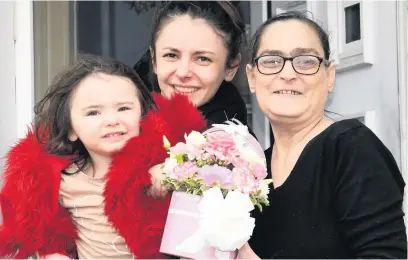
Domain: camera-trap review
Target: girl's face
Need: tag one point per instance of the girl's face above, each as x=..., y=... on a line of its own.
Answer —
x=191, y=59
x=105, y=113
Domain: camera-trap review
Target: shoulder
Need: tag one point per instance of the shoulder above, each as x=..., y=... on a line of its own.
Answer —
x=353, y=135
x=349, y=126
x=360, y=153
x=29, y=162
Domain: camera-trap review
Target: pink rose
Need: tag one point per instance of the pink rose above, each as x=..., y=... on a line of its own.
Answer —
x=244, y=180
x=220, y=144
x=237, y=161
x=258, y=170
x=221, y=140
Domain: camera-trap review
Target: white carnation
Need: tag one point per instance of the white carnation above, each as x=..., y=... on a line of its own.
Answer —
x=196, y=139
x=265, y=188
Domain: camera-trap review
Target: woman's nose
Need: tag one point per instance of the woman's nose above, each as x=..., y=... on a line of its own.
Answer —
x=287, y=72
x=183, y=68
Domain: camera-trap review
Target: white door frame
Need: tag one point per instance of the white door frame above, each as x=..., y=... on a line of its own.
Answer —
x=402, y=27
x=24, y=64
x=402, y=34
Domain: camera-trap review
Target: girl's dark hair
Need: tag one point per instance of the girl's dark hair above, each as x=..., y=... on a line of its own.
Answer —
x=222, y=15
x=52, y=122
x=256, y=38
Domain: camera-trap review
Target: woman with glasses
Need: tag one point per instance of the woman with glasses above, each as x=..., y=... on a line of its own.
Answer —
x=337, y=191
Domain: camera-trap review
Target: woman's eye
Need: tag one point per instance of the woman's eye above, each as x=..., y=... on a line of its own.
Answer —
x=170, y=55
x=124, y=108
x=204, y=60
x=92, y=113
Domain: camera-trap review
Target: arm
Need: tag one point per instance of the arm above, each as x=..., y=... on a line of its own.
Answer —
x=33, y=221
x=18, y=239
x=368, y=196
x=139, y=218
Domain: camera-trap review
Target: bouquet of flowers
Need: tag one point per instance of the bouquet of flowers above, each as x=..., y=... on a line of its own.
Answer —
x=218, y=177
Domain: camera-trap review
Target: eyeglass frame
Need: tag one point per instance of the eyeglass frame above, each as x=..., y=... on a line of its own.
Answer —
x=326, y=63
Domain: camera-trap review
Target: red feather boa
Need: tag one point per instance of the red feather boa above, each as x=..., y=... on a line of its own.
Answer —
x=34, y=221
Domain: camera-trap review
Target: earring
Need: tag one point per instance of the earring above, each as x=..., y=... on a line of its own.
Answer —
x=73, y=138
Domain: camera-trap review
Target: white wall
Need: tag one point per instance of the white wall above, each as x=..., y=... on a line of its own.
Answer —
x=16, y=73
x=375, y=87
x=24, y=64
x=8, y=132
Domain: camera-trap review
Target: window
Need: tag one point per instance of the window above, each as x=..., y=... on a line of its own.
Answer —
x=286, y=6
x=352, y=18
x=352, y=25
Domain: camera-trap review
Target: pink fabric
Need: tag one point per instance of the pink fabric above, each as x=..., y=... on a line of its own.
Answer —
x=182, y=222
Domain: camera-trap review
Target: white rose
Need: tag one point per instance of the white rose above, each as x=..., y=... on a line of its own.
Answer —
x=196, y=139
x=169, y=165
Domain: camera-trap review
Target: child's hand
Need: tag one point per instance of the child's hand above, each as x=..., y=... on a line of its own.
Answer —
x=55, y=256
x=157, y=190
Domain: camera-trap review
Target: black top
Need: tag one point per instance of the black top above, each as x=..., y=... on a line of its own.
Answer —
x=343, y=199
x=226, y=104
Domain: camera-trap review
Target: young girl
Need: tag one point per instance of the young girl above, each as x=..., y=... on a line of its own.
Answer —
x=76, y=186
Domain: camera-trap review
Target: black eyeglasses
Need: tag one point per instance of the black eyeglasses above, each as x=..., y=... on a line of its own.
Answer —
x=303, y=64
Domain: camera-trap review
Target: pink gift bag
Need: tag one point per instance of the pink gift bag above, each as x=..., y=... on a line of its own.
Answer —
x=182, y=222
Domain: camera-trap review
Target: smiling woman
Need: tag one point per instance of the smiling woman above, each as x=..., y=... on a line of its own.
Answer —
x=337, y=191
x=194, y=50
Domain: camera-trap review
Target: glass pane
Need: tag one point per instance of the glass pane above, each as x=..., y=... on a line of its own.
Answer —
x=286, y=6
x=352, y=17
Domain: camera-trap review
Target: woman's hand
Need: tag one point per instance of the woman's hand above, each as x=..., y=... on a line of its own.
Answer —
x=157, y=190
x=246, y=252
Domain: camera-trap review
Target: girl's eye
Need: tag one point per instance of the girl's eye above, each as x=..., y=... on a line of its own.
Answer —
x=93, y=113
x=124, y=108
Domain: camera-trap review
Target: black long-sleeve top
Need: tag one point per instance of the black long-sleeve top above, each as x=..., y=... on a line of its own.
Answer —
x=343, y=199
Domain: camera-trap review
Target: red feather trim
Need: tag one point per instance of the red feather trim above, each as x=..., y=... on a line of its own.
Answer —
x=33, y=220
